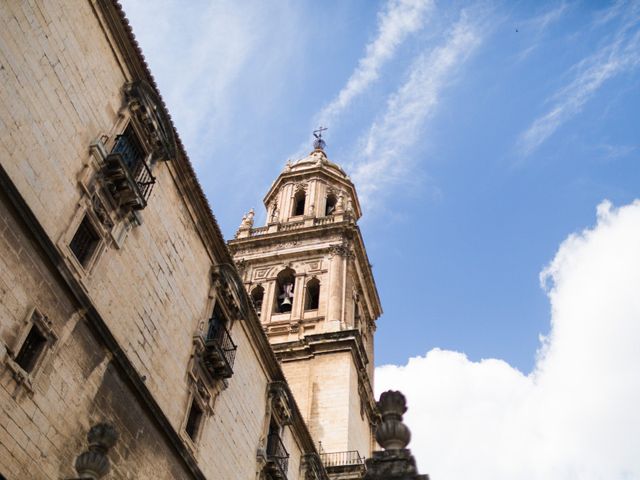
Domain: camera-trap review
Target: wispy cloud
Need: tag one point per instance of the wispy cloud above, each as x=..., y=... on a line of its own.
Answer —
x=537, y=26
x=212, y=59
x=620, y=55
x=544, y=20
x=381, y=160
x=398, y=20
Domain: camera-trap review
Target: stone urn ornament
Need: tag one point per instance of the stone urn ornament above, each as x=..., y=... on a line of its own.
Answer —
x=392, y=434
x=94, y=463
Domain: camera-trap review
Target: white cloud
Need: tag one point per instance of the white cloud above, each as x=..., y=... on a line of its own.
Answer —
x=399, y=19
x=576, y=415
x=381, y=162
x=620, y=55
x=203, y=58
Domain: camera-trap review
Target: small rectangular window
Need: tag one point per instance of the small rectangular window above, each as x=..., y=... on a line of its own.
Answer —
x=193, y=422
x=31, y=349
x=84, y=241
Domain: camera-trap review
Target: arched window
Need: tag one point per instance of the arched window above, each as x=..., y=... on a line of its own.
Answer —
x=257, y=295
x=312, y=298
x=284, y=291
x=331, y=204
x=298, y=203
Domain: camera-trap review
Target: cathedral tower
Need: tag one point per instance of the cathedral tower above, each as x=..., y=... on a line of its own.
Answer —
x=308, y=274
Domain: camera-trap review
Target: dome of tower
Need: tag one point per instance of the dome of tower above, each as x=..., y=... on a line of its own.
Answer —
x=315, y=159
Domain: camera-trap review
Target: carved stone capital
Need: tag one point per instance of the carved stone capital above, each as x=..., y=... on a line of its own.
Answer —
x=280, y=402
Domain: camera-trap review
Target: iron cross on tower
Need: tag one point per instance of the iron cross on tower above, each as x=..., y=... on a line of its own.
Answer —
x=319, y=143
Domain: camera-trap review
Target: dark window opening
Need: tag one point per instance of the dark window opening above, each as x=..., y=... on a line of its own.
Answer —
x=217, y=324
x=84, y=241
x=284, y=291
x=331, y=205
x=276, y=451
x=313, y=294
x=257, y=296
x=31, y=349
x=128, y=145
x=298, y=203
x=194, y=420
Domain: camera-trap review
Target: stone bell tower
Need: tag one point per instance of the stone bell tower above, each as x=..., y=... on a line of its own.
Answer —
x=308, y=274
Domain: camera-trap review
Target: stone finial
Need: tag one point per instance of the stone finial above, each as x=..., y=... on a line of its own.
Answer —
x=93, y=464
x=247, y=220
x=392, y=434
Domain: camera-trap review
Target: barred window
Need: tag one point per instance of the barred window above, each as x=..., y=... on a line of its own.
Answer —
x=84, y=241
x=129, y=146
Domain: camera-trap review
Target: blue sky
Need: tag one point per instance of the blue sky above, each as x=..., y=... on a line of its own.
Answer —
x=480, y=134
x=495, y=149
x=472, y=200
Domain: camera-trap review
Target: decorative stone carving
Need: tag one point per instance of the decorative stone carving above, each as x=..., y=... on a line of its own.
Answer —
x=101, y=212
x=392, y=434
x=343, y=250
x=340, y=203
x=280, y=402
x=313, y=467
x=94, y=463
x=396, y=461
x=145, y=105
x=247, y=220
x=273, y=217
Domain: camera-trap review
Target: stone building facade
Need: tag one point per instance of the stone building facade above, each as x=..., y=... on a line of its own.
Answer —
x=122, y=315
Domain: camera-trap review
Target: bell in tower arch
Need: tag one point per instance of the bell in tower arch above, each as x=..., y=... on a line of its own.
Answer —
x=285, y=283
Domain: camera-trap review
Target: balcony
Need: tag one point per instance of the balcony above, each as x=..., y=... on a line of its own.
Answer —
x=219, y=350
x=345, y=463
x=126, y=172
x=277, y=458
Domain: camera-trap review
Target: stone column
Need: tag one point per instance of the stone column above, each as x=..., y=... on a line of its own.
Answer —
x=268, y=299
x=298, y=298
x=334, y=301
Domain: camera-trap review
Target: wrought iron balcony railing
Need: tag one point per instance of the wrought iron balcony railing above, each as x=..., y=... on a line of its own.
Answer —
x=127, y=172
x=277, y=457
x=219, y=350
x=349, y=460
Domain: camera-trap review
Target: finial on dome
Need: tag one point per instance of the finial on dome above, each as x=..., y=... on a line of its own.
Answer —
x=319, y=143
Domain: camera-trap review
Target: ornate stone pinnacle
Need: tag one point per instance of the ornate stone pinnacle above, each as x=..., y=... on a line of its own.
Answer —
x=94, y=463
x=392, y=434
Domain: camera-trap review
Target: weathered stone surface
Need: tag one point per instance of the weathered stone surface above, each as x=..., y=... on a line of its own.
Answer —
x=392, y=465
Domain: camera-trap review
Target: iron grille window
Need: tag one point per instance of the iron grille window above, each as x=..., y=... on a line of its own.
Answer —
x=194, y=420
x=128, y=145
x=31, y=349
x=84, y=241
x=277, y=453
